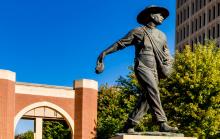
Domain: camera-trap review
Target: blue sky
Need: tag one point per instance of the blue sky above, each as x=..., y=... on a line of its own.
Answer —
x=55, y=42
x=24, y=125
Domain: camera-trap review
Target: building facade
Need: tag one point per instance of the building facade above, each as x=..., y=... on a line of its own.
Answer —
x=197, y=21
x=76, y=105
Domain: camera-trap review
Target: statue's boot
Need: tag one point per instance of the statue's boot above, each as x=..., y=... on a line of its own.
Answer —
x=128, y=128
x=130, y=131
x=164, y=127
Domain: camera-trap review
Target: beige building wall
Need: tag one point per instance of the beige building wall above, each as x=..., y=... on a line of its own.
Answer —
x=197, y=21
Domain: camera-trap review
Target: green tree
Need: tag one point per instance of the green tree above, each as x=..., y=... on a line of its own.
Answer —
x=113, y=108
x=190, y=96
x=56, y=130
x=26, y=135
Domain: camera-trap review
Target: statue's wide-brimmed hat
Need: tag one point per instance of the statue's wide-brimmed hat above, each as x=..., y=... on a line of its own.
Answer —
x=144, y=16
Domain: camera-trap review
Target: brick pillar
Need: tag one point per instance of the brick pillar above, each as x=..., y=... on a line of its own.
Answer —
x=7, y=104
x=86, y=93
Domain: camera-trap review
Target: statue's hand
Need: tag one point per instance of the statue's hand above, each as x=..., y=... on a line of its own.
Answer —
x=99, y=68
x=100, y=64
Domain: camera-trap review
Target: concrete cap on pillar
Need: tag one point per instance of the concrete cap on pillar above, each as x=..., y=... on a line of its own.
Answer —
x=86, y=83
x=7, y=75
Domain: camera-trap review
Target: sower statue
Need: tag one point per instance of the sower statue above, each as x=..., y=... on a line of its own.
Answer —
x=152, y=62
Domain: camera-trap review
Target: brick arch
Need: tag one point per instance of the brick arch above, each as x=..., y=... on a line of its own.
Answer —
x=65, y=115
x=77, y=104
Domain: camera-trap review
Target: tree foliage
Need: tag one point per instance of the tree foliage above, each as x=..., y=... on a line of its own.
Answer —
x=56, y=130
x=190, y=96
x=25, y=135
x=113, y=108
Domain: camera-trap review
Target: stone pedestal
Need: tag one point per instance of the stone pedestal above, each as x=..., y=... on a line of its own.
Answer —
x=149, y=137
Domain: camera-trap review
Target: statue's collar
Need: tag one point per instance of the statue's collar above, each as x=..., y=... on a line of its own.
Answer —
x=150, y=27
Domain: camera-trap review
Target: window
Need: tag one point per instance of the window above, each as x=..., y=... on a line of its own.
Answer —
x=209, y=35
x=178, y=18
x=178, y=5
x=177, y=36
x=188, y=12
x=200, y=21
x=181, y=35
x=197, y=5
x=213, y=32
x=200, y=4
x=193, y=7
x=184, y=14
x=218, y=31
x=184, y=33
x=196, y=24
x=187, y=30
x=203, y=38
x=218, y=9
x=213, y=12
x=210, y=15
x=181, y=17
x=200, y=39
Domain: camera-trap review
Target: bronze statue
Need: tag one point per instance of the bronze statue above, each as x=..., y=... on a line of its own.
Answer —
x=152, y=62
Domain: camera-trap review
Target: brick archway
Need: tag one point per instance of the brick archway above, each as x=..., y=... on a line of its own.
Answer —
x=66, y=116
x=77, y=104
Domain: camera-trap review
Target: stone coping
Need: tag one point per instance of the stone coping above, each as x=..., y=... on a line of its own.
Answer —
x=126, y=136
x=44, y=85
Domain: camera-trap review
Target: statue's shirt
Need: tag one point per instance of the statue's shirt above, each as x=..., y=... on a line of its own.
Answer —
x=144, y=49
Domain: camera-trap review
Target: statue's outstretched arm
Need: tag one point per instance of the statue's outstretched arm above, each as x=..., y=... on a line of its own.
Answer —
x=127, y=40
